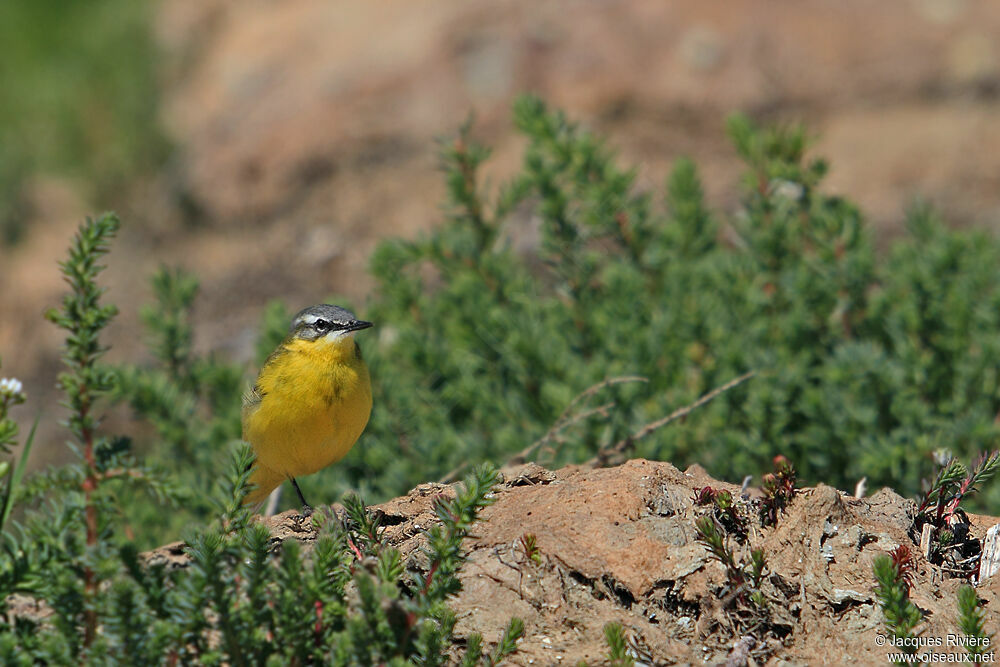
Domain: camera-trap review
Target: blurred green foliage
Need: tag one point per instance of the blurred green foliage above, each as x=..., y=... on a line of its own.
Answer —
x=78, y=97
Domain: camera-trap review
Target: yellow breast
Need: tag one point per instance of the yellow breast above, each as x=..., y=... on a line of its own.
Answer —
x=314, y=401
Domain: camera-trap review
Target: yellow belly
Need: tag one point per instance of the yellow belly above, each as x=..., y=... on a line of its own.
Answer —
x=315, y=402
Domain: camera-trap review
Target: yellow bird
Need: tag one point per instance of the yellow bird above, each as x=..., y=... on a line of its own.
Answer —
x=310, y=403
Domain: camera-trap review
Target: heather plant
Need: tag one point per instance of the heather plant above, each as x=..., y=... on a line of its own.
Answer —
x=614, y=637
x=894, y=581
x=744, y=577
x=940, y=525
x=726, y=511
x=778, y=489
x=893, y=576
x=953, y=483
x=971, y=622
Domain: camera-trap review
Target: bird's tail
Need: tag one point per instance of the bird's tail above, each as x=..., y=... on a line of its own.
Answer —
x=262, y=481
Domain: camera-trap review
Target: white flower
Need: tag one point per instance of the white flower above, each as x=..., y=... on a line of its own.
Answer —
x=787, y=189
x=943, y=456
x=10, y=387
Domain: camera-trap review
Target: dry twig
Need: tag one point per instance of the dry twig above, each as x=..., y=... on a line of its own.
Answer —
x=613, y=453
x=567, y=418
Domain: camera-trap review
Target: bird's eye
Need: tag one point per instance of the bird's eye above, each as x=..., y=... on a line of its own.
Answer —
x=321, y=325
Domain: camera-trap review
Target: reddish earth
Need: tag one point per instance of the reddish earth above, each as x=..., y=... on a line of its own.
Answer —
x=618, y=544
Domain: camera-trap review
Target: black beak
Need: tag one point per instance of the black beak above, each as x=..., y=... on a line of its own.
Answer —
x=358, y=325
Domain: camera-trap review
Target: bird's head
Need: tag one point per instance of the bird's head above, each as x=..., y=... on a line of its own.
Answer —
x=326, y=324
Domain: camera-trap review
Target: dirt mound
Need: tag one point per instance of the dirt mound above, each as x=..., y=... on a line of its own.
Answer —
x=618, y=544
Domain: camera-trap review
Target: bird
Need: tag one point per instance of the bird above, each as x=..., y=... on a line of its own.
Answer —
x=310, y=403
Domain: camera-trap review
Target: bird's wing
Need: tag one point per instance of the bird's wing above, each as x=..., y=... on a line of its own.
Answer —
x=252, y=398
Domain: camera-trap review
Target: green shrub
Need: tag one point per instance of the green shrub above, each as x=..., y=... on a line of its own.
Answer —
x=864, y=367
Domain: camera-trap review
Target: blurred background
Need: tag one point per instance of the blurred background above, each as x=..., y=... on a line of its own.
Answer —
x=267, y=146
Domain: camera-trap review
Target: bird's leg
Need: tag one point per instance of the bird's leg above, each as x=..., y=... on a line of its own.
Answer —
x=307, y=509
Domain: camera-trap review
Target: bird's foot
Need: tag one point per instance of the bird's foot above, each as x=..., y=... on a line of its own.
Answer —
x=301, y=522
